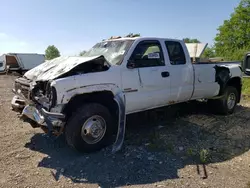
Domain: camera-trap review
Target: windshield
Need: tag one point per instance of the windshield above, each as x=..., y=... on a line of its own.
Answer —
x=113, y=51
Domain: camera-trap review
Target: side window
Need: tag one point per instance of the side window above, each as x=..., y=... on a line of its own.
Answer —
x=175, y=52
x=147, y=54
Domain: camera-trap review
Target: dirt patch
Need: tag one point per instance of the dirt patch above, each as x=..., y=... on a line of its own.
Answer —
x=190, y=147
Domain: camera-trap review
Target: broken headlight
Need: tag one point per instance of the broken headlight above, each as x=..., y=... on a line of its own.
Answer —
x=45, y=94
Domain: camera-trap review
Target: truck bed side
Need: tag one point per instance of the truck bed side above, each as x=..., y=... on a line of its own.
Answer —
x=206, y=83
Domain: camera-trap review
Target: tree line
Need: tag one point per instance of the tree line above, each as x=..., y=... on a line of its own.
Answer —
x=232, y=40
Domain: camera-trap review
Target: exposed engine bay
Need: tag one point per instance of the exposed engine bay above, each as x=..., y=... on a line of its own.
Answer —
x=97, y=65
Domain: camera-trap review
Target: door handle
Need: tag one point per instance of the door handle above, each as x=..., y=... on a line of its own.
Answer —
x=165, y=74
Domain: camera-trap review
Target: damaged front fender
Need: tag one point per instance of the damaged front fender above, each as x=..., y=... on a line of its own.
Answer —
x=119, y=98
x=69, y=94
x=121, y=102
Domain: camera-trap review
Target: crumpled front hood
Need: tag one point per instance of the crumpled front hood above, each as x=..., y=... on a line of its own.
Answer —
x=54, y=68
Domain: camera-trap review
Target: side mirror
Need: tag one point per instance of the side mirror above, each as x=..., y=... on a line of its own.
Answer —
x=246, y=64
x=131, y=64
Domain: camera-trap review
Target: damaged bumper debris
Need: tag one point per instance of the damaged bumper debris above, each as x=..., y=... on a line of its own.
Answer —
x=46, y=119
x=17, y=103
x=50, y=122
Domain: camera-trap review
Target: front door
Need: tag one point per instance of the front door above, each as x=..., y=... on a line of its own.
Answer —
x=148, y=63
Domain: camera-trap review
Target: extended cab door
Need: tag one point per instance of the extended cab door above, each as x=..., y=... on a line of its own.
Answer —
x=147, y=60
x=181, y=71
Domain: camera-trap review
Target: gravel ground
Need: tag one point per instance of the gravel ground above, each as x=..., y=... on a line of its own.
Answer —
x=190, y=147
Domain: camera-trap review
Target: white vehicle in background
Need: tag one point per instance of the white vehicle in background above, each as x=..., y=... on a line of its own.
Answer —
x=20, y=62
x=87, y=98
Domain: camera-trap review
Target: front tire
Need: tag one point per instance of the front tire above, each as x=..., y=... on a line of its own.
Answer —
x=90, y=128
x=226, y=105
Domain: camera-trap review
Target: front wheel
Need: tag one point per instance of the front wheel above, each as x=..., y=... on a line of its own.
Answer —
x=226, y=105
x=90, y=128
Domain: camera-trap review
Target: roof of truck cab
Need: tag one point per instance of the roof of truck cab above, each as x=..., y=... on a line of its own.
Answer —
x=195, y=49
x=145, y=38
x=123, y=38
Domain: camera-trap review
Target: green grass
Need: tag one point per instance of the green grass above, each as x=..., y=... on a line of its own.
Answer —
x=246, y=86
x=204, y=154
x=190, y=152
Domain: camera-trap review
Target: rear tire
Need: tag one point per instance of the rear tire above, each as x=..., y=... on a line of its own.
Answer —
x=90, y=128
x=226, y=105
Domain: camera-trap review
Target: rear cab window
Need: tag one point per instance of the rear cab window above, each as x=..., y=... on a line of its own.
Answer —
x=175, y=52
x=148, y=54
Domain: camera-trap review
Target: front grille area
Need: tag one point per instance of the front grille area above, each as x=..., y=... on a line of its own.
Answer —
x=23, y=87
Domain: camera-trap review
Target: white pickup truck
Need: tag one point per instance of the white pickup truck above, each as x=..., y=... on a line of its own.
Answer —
x=87, y=98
